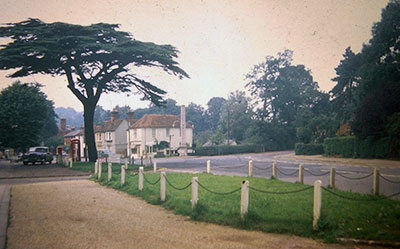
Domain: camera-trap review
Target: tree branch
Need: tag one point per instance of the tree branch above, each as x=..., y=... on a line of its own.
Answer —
x=71, y=85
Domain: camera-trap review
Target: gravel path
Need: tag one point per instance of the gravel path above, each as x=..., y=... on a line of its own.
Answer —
x=83, y=214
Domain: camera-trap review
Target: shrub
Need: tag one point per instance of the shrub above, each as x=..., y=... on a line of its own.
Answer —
x=308, y=149
x=354, y=147
x=228, y=149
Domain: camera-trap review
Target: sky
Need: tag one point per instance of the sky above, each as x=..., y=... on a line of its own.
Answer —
x=219, y=41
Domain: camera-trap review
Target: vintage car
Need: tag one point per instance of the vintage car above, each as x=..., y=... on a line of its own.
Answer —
x=37, y=154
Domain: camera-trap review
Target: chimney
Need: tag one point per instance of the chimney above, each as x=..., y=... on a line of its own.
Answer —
x=63, y=124
x=130, y=115
x=114, y=115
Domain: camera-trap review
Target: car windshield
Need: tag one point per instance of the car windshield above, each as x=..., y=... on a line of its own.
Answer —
x=41, y=149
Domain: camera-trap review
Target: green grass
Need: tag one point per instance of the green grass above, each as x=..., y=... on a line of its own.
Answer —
x=283, y=213
x=116, y=167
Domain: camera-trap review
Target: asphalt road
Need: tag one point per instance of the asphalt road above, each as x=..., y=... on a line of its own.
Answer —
x=288, y=170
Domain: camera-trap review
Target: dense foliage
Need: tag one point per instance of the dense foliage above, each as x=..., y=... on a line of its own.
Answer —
x=308, y=149
x=27, y=117
x=355, y=147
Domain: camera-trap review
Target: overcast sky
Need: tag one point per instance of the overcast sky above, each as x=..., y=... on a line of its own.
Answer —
x=219, y=40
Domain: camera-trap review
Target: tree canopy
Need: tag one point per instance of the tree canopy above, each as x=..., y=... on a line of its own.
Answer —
x=25, y=113
x=95, y=59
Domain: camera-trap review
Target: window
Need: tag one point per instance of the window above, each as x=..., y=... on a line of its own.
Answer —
x=98, y=135
x=153, y=132
x=108, y=136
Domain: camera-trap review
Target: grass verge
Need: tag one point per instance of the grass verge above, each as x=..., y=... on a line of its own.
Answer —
x=276, y=213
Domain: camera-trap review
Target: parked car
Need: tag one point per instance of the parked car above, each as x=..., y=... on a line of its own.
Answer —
x=37, y=154
x=108, y=156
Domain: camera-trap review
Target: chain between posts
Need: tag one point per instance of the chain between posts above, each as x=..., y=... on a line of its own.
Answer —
x=355, y=199
x=176, y=188
x=267, y=168
x=281, y=193
x=132, y=174
x=231, y=167
x=323, y=174
x=283, y=173
x=149, y=182
x=354, y=178
x=386, y=179
x=218, y=193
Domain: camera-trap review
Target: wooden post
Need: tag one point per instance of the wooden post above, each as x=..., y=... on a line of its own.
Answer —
x=155, y=167
x=140, y=187
x=244, y=200
x=317, y=203
x=70, y=163
x=208, y=166
x=301, y=173
x=274, y=170
x=376, y=181
x=126, y=164
x=250, y=168
x=99, y=171
x=333, y=176
x=122, y=176
x=109, y=171
x=96, y=166
x=195, y=192
x=163, y=188
x=151, y=160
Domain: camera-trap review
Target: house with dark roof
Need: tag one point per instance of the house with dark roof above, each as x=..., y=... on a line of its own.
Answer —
x=111, y=134
x=152, y=130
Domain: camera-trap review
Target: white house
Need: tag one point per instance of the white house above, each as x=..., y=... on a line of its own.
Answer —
x=152, y=129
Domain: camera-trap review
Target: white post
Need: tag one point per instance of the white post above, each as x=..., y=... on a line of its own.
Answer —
x=195, y=192
x=162, y=187
x=244, y=201
x=376, y=182
x=274, y=170
x=250, y=168
x=70, y=163
x=140, y=187
x=109, y=171
x=122, y=176
x=301, y=173
x=99, y=171
x=155, y=167
x=126, y=163
x=95, y=166
x=317, y=203
x=208, y=166
x=333, y=173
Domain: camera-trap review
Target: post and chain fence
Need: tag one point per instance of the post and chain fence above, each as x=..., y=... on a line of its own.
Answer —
x=388, y=180
x=177, y=188
x=314, y=174
x=377, y=198
x=149, y=182
x=355, y=178
x=281, y=193
x=287, y=174
x=218, y=193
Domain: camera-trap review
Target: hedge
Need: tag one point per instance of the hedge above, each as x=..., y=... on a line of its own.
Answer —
x=308, y=149
x=358, y=148
x=228, y=149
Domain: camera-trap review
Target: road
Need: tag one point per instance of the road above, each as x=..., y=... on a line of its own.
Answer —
x=287, y=169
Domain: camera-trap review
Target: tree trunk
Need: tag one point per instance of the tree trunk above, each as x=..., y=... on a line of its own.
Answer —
x=89, y=130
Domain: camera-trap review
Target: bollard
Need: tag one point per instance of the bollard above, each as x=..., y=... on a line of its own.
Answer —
x=274, y=171
x=250, y=168
x=126, y=164
x=109, y=171
x=208, y=166
x=151, y=160
x=195, y=192
x=95, y=166
x=155, y=167
x=122, y=176
x=244, y=200
x=375, y=188
x=301, y=173
x=99, y=171
x=317, y=203
x=333, y=173
x=70, y=163
x=163, y=188
x=146, y=160
x=140, y=186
